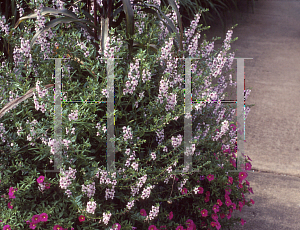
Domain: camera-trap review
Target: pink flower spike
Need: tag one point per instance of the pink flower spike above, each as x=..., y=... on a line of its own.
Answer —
x=40, y=179
x=44, y=217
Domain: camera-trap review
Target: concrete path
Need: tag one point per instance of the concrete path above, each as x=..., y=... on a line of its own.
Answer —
x=271, y=36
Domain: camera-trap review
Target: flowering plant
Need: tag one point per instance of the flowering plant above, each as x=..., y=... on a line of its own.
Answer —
x=145, y=107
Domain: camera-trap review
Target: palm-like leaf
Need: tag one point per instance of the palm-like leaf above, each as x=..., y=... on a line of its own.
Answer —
x=17, y=101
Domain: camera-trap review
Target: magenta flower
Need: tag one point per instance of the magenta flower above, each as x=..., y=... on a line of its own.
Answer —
x=47, y=185
x=213, y=224
x=222, y=215
x=216, y=208
x=36, y=219
x=9, y=205
x=6, y=227
x=242, y=176
x=219, y=202
x=206, y=199
x=210, y=177
x=12, y=193
x=228, y=202
x=190, y=224
x=180, y=228
x=230, y=179
x=252, y=201
x=243, y=221
x=44, y=217
x=184, y=191
x=57, y=227
x=152, y=227
x=32, y=225
x=40, y=179
x=143, y=212
x=81, y=218
x=248, y=166
x=204, y=213
x=200, y=190
x=214, y=217
x=170, y=215
x=117, y=225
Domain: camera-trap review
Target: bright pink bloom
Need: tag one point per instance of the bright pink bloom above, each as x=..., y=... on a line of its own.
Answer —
x=230, y=179
x=200, y=190
x=6, y=227
x=242, y=176
x=40, y=179
x=190, y=225
x=213, y=224
x=219, y=202
x=32, y=225
x=216, y=208
x=36, y=219
x=12, y=193
x=152, y=227
x=210, y=177
x=184, y=191
x=81, y=218
x=57, y=227
x=204, y=213
x=170, y=215
x=44, y=217
x=9, y=205
x=214, y=216
x=248, y=166
x=143, y=212
x=243, y=221
x=228, y=216
x=180, y=228
x=228, y=202
x=252, y=201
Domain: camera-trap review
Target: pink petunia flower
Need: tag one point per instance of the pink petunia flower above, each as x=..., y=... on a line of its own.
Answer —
x=143, y=212
x=200, y=190
x=12, y=193
x=219, y=202
x=44, y=217
x=170, y=215
x=40, y=179
x=216, y=208
x=32, y=225
x=152, y=227
x=6, y=227
x=36, y=219
x=204, y=213
x=57, y=227
x=242, y=176
x=184, y=191
x=230, y=179
x=81, y=218
x=9, y=205
x=210, y=177
x=117, y=225
x=243, y=221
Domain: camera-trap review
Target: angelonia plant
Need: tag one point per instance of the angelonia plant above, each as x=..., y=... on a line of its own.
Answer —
x=145, y=192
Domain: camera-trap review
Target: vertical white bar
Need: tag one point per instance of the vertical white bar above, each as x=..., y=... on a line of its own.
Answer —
x=110, y=117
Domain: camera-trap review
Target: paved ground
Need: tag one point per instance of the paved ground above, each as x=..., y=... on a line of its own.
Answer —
x=271, y=36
